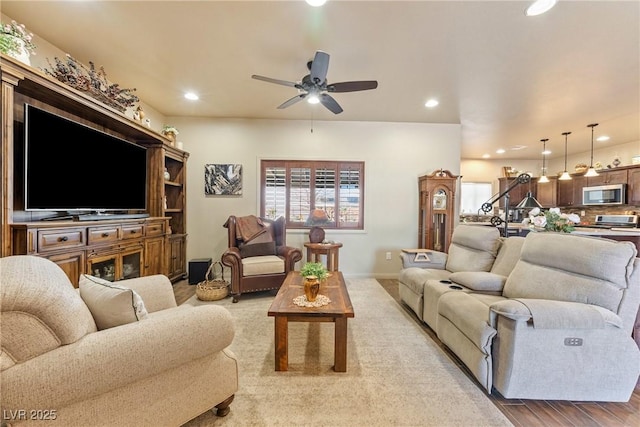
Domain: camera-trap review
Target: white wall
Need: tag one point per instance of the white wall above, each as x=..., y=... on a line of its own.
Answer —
x=491, y=170
x=395, y=155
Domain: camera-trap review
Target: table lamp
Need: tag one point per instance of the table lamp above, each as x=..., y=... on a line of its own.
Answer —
x=316, y=218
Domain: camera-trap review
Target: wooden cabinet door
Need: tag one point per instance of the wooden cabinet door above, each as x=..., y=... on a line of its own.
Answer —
x=633, y=187
x=547, y=193
x=72, y=263
x=177, y=257
x=153, y=256
x=608, y=177
x=565, y=193
x=578, y=183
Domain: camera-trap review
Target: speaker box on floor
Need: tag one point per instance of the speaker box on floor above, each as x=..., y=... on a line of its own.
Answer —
x=197, y=270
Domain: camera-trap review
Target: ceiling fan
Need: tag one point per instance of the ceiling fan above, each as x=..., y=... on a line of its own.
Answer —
x=314, y=85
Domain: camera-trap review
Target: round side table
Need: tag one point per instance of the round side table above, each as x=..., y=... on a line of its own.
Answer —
x=331, y=250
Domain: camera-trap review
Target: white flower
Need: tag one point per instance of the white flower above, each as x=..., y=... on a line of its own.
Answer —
x=539, y=221
x=555, y=210
x=534, y=212
x=571, y=217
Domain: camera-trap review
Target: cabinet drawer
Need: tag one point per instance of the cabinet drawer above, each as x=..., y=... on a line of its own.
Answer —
x=155, y=229
x=132, y=231
x=103, y=235
x=51, y=240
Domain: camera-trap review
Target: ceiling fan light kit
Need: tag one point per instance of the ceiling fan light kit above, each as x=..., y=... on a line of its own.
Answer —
x=314, y=85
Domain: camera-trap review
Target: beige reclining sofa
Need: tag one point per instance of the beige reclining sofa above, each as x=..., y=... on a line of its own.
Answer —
x=478, y=259
x=122, y=354
x=560, y=328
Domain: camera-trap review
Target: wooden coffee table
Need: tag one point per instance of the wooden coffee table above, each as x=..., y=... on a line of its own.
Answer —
x=338, y=311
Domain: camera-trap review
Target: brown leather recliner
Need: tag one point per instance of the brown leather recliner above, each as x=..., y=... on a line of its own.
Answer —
x=261, y=260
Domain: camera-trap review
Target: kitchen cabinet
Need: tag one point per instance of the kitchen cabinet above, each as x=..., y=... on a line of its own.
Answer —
x=633, y=187
x=547, y=193
x=570, y=191
x=607, y=177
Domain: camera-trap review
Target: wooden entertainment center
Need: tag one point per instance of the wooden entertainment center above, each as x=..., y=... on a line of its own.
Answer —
x=117, y=247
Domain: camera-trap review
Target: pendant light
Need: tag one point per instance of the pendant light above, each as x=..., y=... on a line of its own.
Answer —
x=565, y=175
x=543, y=178
x=592, y=170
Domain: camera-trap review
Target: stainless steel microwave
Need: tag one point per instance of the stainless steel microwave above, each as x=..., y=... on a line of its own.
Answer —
x=613, y=194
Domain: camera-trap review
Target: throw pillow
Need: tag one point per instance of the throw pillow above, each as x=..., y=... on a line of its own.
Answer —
x=258, y=249
x=479, y=280
x=111, y=304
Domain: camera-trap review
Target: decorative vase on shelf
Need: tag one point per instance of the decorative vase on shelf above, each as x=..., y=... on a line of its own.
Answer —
x=20, y=52
x=167, y=175
x=311, y=288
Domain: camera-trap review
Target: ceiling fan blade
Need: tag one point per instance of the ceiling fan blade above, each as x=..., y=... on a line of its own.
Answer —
x=292, y=101
x=352, y=86
x=319, y=67
x=330, y=103
x=276, y=81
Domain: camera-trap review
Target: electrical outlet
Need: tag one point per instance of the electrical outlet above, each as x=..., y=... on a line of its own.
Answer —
x=388, y=256
x=582, y=213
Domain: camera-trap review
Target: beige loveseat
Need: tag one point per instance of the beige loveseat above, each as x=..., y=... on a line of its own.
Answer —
x=166, y=366
x=560, y=328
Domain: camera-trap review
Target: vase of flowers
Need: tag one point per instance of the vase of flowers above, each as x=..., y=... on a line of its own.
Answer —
x=16, y=42
x=551, y=220
x=170, y=132
x=313, y=273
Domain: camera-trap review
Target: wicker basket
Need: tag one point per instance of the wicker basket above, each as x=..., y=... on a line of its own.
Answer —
x=213, y=287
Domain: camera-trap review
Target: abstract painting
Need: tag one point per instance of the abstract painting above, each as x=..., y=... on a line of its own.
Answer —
x=223, y=179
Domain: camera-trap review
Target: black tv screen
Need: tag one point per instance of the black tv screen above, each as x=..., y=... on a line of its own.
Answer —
x=72, y=167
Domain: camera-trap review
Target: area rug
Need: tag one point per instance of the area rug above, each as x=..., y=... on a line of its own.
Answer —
x=396, y=375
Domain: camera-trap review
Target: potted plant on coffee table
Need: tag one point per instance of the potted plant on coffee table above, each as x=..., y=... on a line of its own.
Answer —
x=313, y=273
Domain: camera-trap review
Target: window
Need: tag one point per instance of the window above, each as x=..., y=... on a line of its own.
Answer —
x=295, y=188
x=473, y=195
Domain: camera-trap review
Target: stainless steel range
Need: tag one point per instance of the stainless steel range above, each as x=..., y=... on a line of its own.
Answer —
x=614, y=221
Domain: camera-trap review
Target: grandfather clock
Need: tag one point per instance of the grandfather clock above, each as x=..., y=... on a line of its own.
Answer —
x=437, y=200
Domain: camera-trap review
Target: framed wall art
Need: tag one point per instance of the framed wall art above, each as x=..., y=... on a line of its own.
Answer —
x=222, y=179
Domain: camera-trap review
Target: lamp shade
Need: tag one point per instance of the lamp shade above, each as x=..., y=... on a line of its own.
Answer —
x=529, y=202
x=317, y=217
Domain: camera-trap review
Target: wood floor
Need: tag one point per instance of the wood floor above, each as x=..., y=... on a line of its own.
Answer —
x=519, y=412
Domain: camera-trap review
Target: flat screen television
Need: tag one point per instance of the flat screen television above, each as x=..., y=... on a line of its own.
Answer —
x=74, y=168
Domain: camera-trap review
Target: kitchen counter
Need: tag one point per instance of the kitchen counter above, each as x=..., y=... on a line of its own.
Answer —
x=632, y=232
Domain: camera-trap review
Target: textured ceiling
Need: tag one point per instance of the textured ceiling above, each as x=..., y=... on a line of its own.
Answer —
x=509, y=80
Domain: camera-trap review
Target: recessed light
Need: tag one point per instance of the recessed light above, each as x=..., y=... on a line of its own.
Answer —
x=431, y=103
x=191, y=96
x=539, y=7
x=500, y=150
x=546, y=152
x=486, y=156
x=316, y=3
x=602, y=138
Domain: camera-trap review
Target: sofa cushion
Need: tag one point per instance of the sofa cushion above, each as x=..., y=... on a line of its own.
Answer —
x=258, y=249
x=550, y=267
x=111, y=304
x=479, y=280
x=268, y=264
x=473, y=248
x=508, y=255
